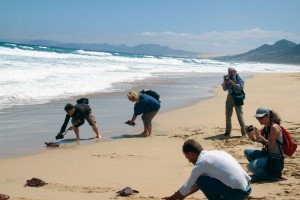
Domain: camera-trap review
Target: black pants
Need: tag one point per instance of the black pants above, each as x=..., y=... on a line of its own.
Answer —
x=214, y=189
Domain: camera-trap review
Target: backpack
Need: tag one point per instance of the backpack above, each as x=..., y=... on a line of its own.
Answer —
x=151, y=93
x=82, y=101
x=289, y=146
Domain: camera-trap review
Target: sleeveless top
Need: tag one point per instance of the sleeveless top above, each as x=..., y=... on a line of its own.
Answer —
x=274, y=151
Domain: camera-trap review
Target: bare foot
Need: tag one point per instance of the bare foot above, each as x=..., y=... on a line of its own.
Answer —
x=98, y=136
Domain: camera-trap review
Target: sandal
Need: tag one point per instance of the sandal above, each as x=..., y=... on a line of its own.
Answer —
x=35, y=182
x=4, y=197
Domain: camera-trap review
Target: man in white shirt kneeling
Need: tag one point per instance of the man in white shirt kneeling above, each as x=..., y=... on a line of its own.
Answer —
x=216, y=173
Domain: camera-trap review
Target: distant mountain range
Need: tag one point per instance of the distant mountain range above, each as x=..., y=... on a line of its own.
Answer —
x=146, y=49
x=283, y=51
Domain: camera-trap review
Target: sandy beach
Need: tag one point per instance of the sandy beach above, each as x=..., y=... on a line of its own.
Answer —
x=155, y=166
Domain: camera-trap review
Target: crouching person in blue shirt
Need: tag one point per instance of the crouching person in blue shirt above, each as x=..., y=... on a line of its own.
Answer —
x=216, y=173
x=145, y=105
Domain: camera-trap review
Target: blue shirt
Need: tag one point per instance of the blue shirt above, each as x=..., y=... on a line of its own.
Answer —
x=145, y=104
x=239, y=85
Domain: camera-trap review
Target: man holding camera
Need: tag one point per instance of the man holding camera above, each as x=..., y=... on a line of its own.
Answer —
x=234, y=84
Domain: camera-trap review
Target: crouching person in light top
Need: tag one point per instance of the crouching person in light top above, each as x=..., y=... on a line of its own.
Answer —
x=216, y=173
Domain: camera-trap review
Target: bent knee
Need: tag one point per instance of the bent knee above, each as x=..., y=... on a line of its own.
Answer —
x=201, y=181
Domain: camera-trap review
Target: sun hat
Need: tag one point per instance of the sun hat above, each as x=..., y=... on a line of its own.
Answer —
x=262, y=111
x=231, y=68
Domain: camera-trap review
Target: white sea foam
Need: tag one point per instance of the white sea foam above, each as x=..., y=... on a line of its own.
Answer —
x=30, y=76
x=94, y=53
x=26, y=47
x=41, y=47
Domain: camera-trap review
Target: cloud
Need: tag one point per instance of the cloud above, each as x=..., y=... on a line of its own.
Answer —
x=227, y=42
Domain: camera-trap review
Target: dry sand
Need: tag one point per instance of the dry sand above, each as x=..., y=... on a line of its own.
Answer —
x=155, y=165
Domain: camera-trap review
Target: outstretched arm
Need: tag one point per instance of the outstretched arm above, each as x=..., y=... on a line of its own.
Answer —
x=64, y=126
x=133, y=119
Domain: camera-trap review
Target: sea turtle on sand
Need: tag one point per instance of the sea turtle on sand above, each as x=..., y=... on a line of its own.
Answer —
x=35, y=182
x=4, y=196
x=52, y=144
x=127, y=191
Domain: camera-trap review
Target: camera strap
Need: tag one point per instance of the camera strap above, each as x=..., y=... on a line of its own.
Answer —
x=266, y=134
x=233, y=90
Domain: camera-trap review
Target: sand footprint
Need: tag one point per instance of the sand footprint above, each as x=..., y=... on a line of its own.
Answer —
x=114, y=155
x=21, y=198
x=137, y=197
x=80, y=189
x=152, y=198
x=260, y=198
x=187, y=133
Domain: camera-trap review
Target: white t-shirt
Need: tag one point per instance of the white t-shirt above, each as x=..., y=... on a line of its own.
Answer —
x=219, y=165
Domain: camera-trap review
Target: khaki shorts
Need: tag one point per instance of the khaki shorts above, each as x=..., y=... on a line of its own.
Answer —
x=147, y=118
x=90, y=118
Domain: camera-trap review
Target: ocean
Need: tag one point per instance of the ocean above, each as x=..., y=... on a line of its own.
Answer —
x=37, y=81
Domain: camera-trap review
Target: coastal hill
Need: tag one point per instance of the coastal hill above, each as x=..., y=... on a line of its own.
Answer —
x=146, y=49
x=283, y=51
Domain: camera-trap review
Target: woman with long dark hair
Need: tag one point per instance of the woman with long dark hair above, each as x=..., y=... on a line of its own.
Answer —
x=270, y=135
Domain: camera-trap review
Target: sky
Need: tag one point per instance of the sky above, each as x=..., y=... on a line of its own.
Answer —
x=204, y=26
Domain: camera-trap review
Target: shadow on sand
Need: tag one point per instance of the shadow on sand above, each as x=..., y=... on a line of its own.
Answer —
x=71, y=140
x=129, y=136
x=221, y=137
x=256, y=180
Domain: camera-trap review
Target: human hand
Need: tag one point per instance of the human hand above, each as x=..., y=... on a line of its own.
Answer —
x=226, y=78
x=249, y=129
x=130, y=123
x=256, y=132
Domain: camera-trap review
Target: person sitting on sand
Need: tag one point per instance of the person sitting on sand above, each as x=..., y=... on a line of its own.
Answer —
x=79, y=113
x=216, y=173
x=146, y=105
x=268, y=136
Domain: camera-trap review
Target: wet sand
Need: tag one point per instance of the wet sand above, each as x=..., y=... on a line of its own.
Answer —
x=24, y=129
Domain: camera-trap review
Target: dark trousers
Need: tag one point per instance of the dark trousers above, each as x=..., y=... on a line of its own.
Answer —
x=214, y=189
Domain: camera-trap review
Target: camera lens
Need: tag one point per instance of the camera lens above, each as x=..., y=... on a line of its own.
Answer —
x=250, y=128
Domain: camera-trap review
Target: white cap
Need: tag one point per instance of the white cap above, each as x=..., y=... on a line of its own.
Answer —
x=260, y=112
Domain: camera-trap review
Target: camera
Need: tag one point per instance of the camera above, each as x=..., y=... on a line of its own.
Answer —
x=250, y=128
x=226, y=77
